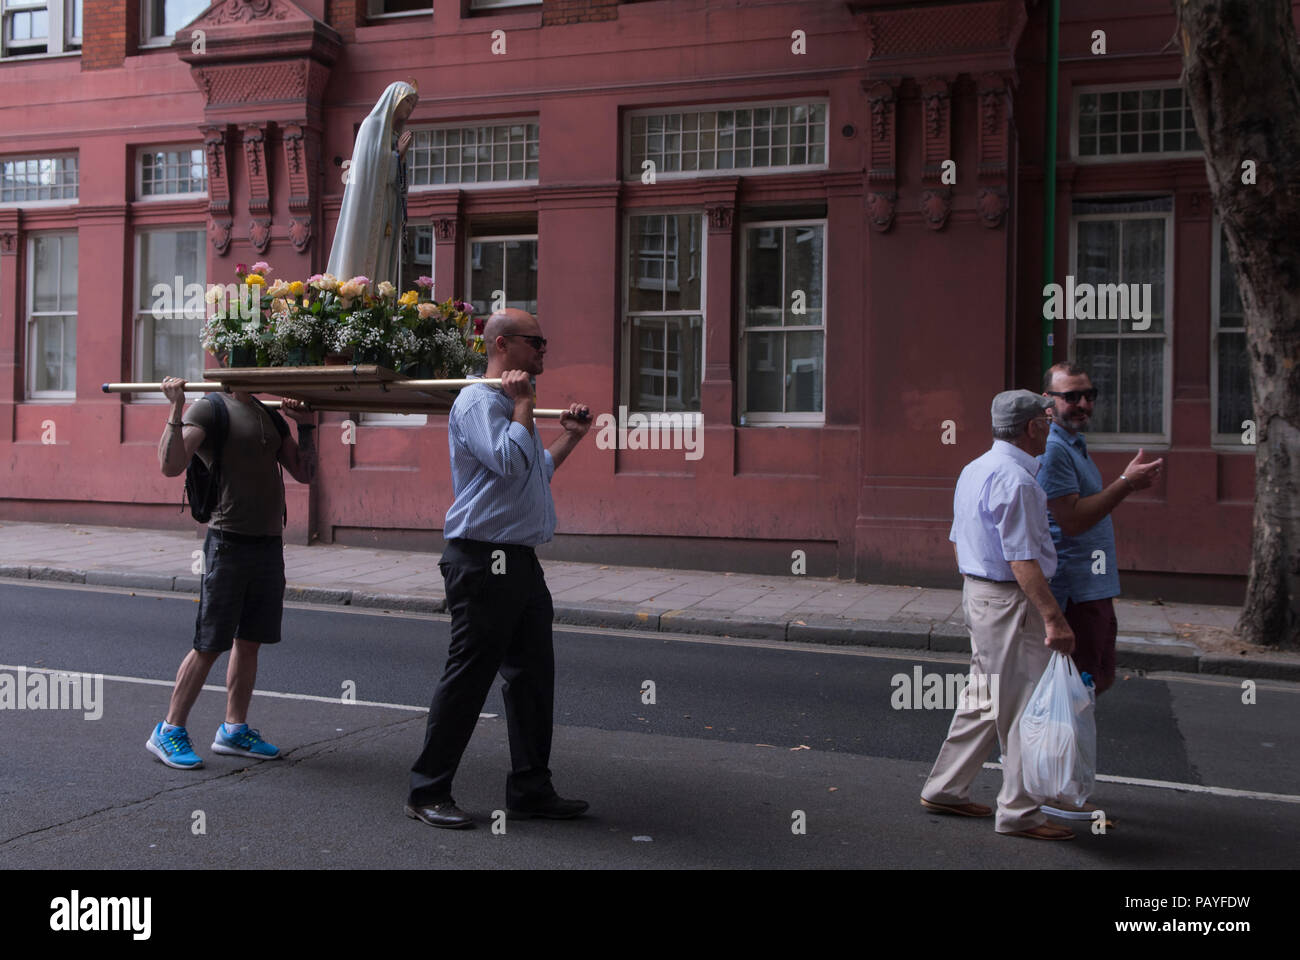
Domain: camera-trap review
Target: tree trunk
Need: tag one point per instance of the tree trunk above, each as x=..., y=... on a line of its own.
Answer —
x=1241, y=70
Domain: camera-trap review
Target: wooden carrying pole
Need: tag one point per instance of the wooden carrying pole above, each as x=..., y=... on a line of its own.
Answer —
x=342, y=404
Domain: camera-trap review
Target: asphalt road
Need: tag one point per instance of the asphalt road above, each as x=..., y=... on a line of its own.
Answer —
x=741, y=738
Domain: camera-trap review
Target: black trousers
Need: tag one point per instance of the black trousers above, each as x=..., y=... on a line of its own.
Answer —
x=500, y=621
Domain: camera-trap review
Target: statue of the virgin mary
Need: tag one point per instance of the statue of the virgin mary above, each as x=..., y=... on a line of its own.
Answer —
x=368, y=240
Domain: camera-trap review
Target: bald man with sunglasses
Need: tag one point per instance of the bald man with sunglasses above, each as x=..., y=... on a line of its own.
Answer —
x=499, y=603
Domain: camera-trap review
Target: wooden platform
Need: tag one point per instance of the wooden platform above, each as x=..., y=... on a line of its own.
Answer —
x=351, y=388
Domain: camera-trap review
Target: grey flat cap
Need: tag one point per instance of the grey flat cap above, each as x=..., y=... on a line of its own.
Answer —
x=1013, y=408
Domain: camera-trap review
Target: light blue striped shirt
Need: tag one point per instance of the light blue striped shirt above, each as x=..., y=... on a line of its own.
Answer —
x=1000, y=514
x=500, y=473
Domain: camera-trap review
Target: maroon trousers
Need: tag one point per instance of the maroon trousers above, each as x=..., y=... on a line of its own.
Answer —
x=1095, y=627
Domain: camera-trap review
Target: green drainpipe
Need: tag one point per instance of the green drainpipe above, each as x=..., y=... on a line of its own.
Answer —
x=1049, y=169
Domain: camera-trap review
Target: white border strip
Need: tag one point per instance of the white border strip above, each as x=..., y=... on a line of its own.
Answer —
x=1186, y=787
x=257, y=693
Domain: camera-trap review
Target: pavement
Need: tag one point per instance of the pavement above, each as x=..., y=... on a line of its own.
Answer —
x=1153, y=634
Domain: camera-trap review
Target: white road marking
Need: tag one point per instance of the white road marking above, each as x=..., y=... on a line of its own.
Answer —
x=148, y=681
x=1186, y=787
x=1105, y=778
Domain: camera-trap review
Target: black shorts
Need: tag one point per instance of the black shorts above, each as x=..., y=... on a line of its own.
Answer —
x=241, y=593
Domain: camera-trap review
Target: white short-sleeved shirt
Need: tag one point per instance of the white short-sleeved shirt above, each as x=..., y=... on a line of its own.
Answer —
x=1000, y=515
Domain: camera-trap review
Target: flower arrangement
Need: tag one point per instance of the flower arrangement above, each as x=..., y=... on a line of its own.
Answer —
x=263, y=322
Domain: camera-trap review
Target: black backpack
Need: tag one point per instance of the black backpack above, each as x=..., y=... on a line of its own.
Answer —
x=203, y=485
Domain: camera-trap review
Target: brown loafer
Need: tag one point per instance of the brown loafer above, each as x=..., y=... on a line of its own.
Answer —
x=961, y=809
x=1046, y=831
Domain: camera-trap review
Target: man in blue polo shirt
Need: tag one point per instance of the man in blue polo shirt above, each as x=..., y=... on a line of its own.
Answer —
x=1079, y=504
x=500, y=606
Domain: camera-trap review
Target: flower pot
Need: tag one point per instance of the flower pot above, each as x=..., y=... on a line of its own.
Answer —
x=380, y=356
x=242, y=357
x=420, y=370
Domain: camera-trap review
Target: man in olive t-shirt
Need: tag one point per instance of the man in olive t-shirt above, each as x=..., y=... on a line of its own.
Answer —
x=241, y=596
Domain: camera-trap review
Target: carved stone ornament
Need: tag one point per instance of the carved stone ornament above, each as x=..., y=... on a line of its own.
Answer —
x=259, y=233
x=720, y=218
x=991, y=110
x=991, y=204
x=445, y=228
x=8, y=242
x=300, y=232
x=219, y=235
x=880, y=210
x=245, y=11
x=936, y=204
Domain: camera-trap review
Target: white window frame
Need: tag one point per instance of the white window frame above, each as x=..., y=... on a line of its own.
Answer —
x=491, y=238
x=625, y=361
x=148, y=39
x=142, y=149
x=1224, y=441
x=1160, y=156
x=59, y=43
x=767, y=418
x=375, y=11
x=631, y=175
x=137, y=312
x=61, y=201
x=32, y=316
x=533, y=120
x=1111, y=441
x=480, y=5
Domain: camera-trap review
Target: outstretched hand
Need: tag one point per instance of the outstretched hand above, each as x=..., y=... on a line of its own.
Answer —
x=1142, y=475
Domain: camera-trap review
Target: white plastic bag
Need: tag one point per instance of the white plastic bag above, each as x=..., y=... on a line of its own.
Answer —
x=1058, y=735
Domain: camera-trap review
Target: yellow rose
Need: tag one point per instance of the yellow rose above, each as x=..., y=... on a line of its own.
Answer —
x=409, y=298
x=255, y=279
x=296, y=288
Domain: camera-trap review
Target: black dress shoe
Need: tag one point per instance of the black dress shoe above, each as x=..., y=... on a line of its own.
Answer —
x=556, y=808
x=444, y=814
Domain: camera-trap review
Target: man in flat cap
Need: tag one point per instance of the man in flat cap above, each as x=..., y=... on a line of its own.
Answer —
x=1005, y=552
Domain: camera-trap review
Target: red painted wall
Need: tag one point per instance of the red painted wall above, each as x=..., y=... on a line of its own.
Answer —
x=923, y=324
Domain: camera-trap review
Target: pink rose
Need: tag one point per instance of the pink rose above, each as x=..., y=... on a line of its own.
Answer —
x=262, y=267
x=426, y=282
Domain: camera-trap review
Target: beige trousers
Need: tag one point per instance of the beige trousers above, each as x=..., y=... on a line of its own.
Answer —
x=1006, y=634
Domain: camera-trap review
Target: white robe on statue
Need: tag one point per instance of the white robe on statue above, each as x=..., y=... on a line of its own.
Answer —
x=368, y=240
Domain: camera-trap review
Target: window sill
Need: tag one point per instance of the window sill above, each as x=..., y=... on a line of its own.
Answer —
x=1102, y=443
x=36, y=204
x=1226, y=445
x=30, y=57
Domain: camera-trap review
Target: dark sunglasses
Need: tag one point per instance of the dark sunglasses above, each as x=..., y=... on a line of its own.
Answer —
x=1074, y=396
x=535, y=342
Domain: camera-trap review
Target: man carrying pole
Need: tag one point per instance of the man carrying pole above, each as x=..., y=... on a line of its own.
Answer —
x=241, y=596
x=500, y=606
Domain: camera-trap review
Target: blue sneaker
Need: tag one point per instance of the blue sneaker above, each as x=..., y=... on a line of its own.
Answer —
x=173, y=748
x=246, y=743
